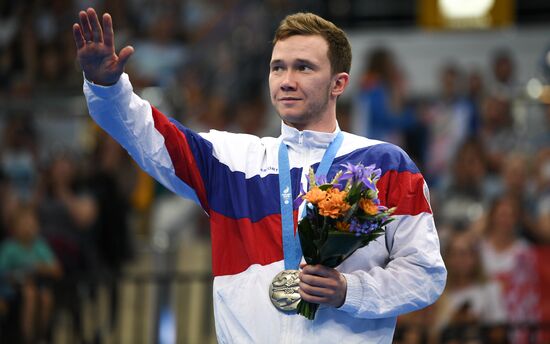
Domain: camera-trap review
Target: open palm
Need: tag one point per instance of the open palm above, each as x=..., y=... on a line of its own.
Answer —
x=96, y=48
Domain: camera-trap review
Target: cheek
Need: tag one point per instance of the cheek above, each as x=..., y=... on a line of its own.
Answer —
x=272, y=87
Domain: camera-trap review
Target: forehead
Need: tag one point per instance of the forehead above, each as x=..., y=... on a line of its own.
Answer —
x=313, y=48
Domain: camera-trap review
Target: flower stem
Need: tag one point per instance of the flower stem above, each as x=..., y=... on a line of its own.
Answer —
x=307, y=309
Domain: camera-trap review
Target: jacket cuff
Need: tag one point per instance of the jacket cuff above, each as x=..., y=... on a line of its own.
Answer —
x=106, y=92
x=354, y=294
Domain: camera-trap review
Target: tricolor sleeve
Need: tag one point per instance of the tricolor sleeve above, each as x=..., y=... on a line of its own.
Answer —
x=415, y=274
x=172, y=154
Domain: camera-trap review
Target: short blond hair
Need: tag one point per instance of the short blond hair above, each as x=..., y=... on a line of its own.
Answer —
x=307, y=24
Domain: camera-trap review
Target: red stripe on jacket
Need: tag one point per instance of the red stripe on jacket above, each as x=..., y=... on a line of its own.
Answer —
x=240, y=243
x=404, y=190
x=182, y=158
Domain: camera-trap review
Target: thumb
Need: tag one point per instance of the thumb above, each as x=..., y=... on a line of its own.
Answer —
x=125, y=54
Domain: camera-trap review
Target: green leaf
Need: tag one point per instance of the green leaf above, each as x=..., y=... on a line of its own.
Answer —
x=325, y=187
x=350, y=212
x=307, y=241
x=339, y=246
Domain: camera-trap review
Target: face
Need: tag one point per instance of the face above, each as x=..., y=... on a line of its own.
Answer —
x=303, y=89
x=26, y=227
x=462, y=257
x=505, y=218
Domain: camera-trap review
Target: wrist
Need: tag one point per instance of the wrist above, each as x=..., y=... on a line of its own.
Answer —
x=103, y=83
x=343, y=291
x=107, y=92
x=354, y=293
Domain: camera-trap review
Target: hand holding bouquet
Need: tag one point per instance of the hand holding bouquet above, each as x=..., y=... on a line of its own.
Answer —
x=341, y=216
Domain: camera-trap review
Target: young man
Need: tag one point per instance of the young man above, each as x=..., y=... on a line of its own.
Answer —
x=236, y=179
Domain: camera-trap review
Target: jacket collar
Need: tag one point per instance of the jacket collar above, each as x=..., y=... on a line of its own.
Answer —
x=292, y=137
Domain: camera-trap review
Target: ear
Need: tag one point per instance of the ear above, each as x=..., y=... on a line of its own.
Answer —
x=339, y=83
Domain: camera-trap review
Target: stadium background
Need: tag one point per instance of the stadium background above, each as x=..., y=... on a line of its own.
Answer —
x=463, y=86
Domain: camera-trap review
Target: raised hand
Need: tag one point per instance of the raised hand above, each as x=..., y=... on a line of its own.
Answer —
x=96, y=49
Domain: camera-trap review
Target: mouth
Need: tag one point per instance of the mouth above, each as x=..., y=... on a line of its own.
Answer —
x=289, y=100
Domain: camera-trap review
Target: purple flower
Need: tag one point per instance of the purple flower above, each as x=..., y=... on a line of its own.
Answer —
x=358, y=172
x=360, y=228
x=321, y=180
x=298, y=201
x=339, y=186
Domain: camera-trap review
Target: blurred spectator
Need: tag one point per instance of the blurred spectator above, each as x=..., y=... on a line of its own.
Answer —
x=501, y=244
x=476, y=92
x=516, y=182
x=497, y=132
x=146, y=67
x=508, y=259
x=451, y=119
x=382, y=99
x=18, y=154
x=470, y=303
x=67, y=210
x=516, y=177
x=30, y=265
x=67, y=213
x=460, y=201
x=250, y=118
x=53, y=72
x=503, y=82
x=112, y=182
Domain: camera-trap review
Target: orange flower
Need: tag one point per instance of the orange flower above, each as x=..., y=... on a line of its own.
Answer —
x=368, y=206
x=315, y=195
x=342, y=226
x=334, y=204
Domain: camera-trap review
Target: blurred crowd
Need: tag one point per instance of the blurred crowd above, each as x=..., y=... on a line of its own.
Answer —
x=70, y=216
x=484, y=148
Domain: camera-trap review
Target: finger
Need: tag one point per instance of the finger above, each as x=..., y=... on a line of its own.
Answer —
x=312, y=298
x=125, y=54
x=94, y=23
x=78, y=38
x=108, y=34
x=85, y=25
x=315, y=291
x=319, y=270
x=316, y=281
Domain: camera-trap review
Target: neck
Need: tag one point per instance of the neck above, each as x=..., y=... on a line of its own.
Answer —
x=322, y=126
x=461, y=282
x=501, y=242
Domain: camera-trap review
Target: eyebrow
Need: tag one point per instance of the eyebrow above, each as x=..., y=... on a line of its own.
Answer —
x=279, y=61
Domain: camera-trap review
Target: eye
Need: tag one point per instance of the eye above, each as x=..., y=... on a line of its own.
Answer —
x=276, y=68
x=304, y=68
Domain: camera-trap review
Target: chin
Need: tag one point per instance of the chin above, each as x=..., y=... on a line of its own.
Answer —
x=291, y=115
x=292, y=120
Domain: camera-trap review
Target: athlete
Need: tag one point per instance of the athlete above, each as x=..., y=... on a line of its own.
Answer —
x=236, y=179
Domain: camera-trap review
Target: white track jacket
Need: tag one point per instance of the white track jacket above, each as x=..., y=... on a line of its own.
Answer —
x=234, y=177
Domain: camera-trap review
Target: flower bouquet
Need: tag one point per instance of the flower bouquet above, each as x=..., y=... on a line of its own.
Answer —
x=341, y=216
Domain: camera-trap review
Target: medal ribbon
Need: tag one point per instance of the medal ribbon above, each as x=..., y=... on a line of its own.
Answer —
x=291, y=241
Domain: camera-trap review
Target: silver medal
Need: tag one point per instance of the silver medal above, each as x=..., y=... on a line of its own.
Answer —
x=283, y=290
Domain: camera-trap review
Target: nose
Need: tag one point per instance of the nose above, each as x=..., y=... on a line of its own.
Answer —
x=288, y=82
